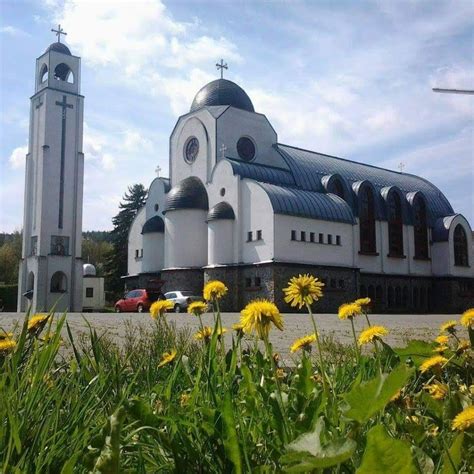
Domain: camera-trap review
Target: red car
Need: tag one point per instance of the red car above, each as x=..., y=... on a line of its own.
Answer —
x=135, y=300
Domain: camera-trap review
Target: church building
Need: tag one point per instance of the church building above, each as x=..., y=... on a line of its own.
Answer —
x=243, y=208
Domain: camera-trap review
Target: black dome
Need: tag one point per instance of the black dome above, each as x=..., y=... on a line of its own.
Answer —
x=154, y=224
x=222, y=210
x=222, y=92
x=59, y=48
x=187, y=194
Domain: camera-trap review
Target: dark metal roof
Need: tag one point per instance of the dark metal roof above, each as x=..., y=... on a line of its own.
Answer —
x=189, y=193
x=222, y=92
x=441, y=228
x=296, y=202
x=309, y=168
x=59, y=48
x=222, y=210
x=385, y=193
x=154, y=224
x=265, y=174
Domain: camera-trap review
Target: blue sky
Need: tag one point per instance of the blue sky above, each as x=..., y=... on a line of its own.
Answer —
x=347, y=78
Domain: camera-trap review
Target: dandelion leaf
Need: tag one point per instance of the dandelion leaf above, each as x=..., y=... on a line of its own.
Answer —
x=451, y=462
x=386, y=455
x=416, y=350
x=307, y=452
x=366, y=399
x=231, y=440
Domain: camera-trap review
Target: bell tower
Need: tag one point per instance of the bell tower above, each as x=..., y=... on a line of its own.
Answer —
x=51, y=266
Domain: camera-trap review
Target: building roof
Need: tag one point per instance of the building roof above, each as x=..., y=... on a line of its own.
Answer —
x=189, y=193
x=154, y=224
x=222, y=210
x=222, y=92
x=88, y=270
x=59, y=48
x=314, y=205
x=441, y=228
x=262, y=173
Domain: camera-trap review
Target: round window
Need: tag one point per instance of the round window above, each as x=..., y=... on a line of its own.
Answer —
x=156, y=207
x=191, y=149
x=246, y=148
x=222, y=191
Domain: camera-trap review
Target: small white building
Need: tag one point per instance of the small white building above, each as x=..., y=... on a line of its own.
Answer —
x=93, y=289
x=241, y=207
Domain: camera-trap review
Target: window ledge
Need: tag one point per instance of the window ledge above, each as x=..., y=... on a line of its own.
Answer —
x=462, y=266
x=427, y=259
x=372, y=254
x=391, y=255
x=59, y=255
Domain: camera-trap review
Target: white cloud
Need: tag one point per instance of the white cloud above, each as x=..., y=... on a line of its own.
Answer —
x=13, y=31
x=136, y=142
x=108, y=161
x=18, y=156
x=384, y=119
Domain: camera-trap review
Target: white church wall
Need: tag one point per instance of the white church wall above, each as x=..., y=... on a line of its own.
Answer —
x=185, y=238
x=315, y=252
x=235, y=123
x=256, y=215
x=156, y=198
x=135, y=243
x=220, y=241
x=201, y=125
x=153, y=251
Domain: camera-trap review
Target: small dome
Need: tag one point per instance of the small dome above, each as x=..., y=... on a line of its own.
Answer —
x=88, y=269
x=222, y=92
x=59, y=48
x=154, y=224
x=189, y=193
x=222, y=210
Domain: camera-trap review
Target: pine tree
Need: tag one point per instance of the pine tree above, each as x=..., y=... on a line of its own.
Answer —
x=116, y=262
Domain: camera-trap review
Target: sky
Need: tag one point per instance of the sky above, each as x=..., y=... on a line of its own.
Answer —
x=347, y=78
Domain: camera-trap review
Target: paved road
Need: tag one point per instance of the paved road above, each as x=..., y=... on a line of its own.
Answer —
x=420, y=326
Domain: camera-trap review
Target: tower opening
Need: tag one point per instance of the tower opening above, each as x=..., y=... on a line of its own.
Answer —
x=62, y=72
x=58, y=283
x=43, y=73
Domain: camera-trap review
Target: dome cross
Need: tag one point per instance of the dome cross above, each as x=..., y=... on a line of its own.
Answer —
x=59, y=32
x=222, y=65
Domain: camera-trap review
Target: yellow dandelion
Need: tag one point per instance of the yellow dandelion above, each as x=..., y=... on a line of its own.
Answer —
x=184, y=399
x=397, y=396
x=5, y=335
x=159, y=308
x=448, y=326
x=37, y=321
x=371, y=334
x=442, y=339
x=467, y=318
x=464, y=420
x=437, y=390
x=364, y=303
x=349, y=311
x=258, y=316
x=168, y=357
x=204, y=334
x=7, y=345
x=214, y=290
x=440, y=349
x=434, y=362
x=303, y=290
x=197, y=308
x=221, y=332
x=463, y=346
x=303, y=343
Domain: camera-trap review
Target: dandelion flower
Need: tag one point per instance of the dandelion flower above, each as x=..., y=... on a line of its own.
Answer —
x=221, y=332
x=36, y=321
x=364, y=303
x=442, y=339
x=168, y=357
x=303, y=343
x=258, y=316
x=463, y=346
x=449, y=326
x=440, y=349
x=204, y=334
x=434, y=362
x=159, y=308
x=349, y=310
x=467, y=318
x=303, y=290
x=184, y=399
x=197, y=308
x=464, y=420
x=7, y=345
x=214, y=290
x=372, y=333
x=5, y=335
x=437, y=390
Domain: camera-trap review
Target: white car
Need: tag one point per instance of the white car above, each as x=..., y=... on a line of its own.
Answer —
x=181, y=299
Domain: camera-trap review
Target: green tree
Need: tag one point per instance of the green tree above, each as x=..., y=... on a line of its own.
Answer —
x=10, y=256
x=116, y=260
x=95, y=251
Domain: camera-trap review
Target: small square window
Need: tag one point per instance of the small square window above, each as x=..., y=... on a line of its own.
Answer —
x=248, y=282
x=329, y=239
x=258, y=281
x=321, y=238
x=338, y=240
x=311, y=237
x=249, y=236
x=259, y=235
x=293, y=235
x=141, y=253
x=89, y=292
x=137, y=253
x=303, y=236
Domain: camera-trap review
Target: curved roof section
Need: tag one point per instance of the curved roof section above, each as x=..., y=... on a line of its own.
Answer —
x=189, y=193
x=222, y=210
x=222, y=92
x=262, y=173
x=308, y=168
x=385, y=193
x=296, y=202
x=59, y=48
x=154, y=224
x=441, y=228
x=88, y=270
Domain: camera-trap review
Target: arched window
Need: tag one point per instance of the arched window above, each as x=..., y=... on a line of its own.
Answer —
x=58, y=283
x=395, y=226
x=420, y=228
x=367, y=221
x=338, y=188
x=460, y=246
x=43, y=73
x=62, y=72
x=30, y=284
